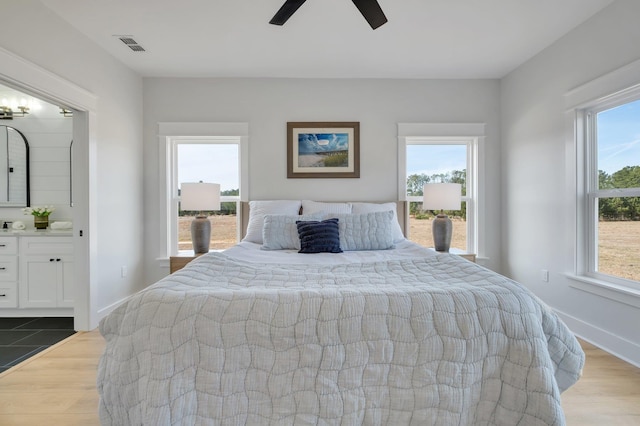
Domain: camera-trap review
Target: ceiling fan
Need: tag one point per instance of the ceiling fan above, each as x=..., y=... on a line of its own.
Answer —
x=370, y=9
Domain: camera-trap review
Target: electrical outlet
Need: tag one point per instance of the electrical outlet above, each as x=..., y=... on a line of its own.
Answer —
x=544, y=275
x=123, y=271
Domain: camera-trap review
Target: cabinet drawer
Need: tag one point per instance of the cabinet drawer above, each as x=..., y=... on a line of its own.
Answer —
x=46, y=245
x=8, y=245
x=8, y=268
x=8, y=292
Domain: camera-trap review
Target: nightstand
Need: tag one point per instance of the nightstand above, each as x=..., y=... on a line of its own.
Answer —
x=471, y=257
x=178, y=262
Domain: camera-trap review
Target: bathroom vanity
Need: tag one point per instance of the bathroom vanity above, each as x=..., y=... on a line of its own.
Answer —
x=36, y=273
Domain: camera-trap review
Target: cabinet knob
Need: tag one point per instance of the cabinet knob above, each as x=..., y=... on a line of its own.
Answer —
x=3, y=245
x=3, y=295
x=51, y=260
x=58, y=260
x=2, y=268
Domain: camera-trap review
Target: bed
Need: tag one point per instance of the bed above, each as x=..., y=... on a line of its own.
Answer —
x=381, y=332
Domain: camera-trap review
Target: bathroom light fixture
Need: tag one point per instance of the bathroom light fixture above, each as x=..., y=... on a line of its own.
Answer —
x=201, y=197
x=6, y=113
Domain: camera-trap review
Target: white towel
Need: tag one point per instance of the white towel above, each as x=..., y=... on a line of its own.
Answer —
x=61, y=225
x=18, y=225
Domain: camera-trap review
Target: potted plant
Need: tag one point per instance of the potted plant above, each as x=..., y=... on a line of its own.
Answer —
x=40, y=215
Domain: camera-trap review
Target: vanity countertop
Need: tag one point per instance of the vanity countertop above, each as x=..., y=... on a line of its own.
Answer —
x=36, y=232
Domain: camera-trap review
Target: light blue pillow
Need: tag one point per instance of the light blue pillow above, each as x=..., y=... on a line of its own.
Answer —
x=358, y=208
x=257, y=211
x=280, y=232
x=366, y=231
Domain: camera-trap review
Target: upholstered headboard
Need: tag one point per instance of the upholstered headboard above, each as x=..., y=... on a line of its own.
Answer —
x=401, y=208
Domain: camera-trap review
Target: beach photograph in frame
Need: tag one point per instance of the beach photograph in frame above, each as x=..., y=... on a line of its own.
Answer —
x=323, y=150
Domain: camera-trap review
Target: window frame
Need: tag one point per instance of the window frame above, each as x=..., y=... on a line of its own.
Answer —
x=175, y=183
x=170, y=136
x=472, y=136
x=617, y=85
x=592, y=192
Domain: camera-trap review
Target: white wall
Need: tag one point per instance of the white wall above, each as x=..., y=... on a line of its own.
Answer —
x=537, y=231
x=268, y=104
x=36, y=34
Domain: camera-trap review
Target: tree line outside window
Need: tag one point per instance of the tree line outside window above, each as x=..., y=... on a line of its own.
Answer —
x=415, y=184
x=226, y=207
x=619, y=208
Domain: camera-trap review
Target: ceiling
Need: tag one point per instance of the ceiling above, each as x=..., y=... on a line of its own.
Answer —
x=326, y=38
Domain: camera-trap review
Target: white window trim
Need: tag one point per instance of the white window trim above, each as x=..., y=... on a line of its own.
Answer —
x=473, y=135
x=169, y=136
x=609, y=89
x=592, y=192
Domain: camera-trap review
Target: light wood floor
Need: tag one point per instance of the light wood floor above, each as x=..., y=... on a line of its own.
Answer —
x=55, y=387
x=58, y=387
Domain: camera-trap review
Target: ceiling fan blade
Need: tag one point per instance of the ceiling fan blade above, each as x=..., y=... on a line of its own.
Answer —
x=284, y=13
x=371, y=11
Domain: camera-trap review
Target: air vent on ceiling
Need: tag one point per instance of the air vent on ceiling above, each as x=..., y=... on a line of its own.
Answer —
x=131, y=43
x=136, y=48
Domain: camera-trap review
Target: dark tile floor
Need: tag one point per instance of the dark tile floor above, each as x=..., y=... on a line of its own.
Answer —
x=21, y=338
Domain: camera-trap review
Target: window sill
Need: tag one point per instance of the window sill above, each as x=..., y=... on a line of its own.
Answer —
x=619, y=293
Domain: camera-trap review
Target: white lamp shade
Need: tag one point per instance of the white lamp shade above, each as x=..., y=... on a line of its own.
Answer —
x=442, y=196
x=200, y=196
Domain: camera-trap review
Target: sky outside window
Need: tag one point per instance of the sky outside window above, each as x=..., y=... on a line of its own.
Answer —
x=619, y=137
x=435, y=159
x=212, y=163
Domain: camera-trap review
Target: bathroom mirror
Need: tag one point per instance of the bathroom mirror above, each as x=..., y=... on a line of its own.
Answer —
x=14, y=168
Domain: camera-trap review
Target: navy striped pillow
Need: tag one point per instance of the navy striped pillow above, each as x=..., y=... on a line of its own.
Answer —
x=319, y=237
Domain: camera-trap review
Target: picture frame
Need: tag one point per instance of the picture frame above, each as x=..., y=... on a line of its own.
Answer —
x=323, y=150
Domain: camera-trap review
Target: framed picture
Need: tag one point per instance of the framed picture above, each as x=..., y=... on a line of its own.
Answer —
x=323, y=150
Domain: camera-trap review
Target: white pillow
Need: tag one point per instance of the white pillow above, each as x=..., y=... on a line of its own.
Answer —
x=257, y=210
x=366, y=231
x=280, y=231
x=311, y=207
x=398, y=235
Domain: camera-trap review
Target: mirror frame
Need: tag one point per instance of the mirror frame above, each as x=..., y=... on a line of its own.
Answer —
x=27, y=170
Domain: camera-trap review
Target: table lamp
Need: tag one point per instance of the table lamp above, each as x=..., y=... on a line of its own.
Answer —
x=442, y=196
x=200, y=197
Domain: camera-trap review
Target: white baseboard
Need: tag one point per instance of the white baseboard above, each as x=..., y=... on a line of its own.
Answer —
x=615, y=345
x=108, y=309
x=36, y=312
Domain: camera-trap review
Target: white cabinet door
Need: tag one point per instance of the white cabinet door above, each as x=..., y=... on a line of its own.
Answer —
x=8, y=295
x=46, y=272
x=39, y=282
x=8, y=268
x=8, y=272
x=8, y=246
x=66, y=284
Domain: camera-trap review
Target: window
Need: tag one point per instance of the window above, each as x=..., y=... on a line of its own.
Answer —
x=612, y=189
x=439, y=161
x=430, y=158
x=212, y=161
x=208, y=152
x=602, y=128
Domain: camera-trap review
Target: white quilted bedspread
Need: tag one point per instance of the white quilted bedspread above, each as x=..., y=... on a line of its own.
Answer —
x=422, y=341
